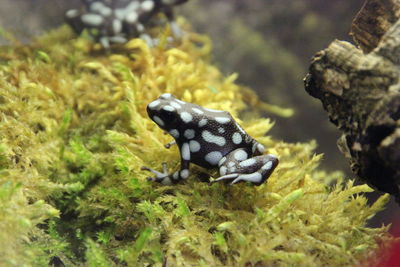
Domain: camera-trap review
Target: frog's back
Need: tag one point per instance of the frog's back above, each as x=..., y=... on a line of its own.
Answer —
x=211, y=134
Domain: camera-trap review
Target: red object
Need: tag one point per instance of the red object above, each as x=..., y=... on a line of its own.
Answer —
x=390, y=256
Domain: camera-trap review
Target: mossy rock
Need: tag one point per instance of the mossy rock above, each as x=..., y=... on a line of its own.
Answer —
x=74, y=133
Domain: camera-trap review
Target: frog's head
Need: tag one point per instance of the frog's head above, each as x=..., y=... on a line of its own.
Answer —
x=165, y=111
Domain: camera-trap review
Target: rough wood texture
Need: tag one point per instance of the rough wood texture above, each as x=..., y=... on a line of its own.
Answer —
x=361, y=93
x=373, y=21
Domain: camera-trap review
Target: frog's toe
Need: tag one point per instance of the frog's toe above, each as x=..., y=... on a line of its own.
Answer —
x=225, y=177
x=157, y=173
x=254, y=178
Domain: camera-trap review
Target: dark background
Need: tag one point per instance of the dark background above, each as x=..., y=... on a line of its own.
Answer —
x=268, y=42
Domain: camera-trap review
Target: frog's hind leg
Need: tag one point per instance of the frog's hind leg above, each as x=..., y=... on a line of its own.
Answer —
x=240, y=169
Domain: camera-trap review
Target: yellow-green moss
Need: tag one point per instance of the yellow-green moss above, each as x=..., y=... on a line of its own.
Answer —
x=74, y=134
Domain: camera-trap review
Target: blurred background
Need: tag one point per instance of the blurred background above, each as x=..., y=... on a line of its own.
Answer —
x=269, y=43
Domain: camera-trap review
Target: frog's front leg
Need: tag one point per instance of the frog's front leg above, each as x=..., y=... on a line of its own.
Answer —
x=183, y=173
x=236, y=166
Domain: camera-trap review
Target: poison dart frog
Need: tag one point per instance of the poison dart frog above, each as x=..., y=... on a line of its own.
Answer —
x=211, y=139
x=117, y=21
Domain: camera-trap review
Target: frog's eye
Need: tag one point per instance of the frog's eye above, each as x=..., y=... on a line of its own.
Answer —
x=168, y=116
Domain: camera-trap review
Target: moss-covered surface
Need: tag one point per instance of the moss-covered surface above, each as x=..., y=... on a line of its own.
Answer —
x=74, y=134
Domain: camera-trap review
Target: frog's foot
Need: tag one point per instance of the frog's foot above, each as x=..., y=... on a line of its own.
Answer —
x=255, y=170
x=160, y=177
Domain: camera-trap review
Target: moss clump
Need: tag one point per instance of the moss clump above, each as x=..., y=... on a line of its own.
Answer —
x=74, y=134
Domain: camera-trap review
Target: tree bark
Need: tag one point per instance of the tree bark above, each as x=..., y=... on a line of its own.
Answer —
x=373, y=21
x=360, y=90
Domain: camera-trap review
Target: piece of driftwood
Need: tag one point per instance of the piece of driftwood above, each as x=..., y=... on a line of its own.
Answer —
x=373, y=21
x=360, y=90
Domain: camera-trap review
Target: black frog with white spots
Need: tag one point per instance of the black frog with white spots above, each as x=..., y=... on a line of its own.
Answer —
x=211, y=139
x=116, y=21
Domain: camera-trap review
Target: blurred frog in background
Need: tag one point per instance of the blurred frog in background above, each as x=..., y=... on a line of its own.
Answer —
x=117, y=21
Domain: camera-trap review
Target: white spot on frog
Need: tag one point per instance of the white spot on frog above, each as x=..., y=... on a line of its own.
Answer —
x=240, y=155
x=237, y=138
x=131, y=18
x=202, y=122
x=117, y=26
x=158, y=120
x=92, y=19
x=222, y=120
x=210, y=138
x=260, y=148
x=147, y=5
x=189, y=133
x=184, y=173
x=198, y=111
x=267, y=165
x=185, y=151
x=194, y=146
x=154, y=104
x=72, y=13
x=213, y=157
x=169, y=108
x=186, y=117
x=174, y=133
x=213, y=110
x=247, y=162
x=166, y=96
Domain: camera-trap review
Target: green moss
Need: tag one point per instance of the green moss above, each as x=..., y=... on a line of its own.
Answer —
x=74, y=134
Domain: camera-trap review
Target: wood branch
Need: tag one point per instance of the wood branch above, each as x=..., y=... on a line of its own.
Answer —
x=361, y=93
x=373, y=21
